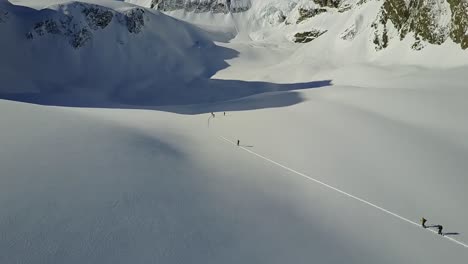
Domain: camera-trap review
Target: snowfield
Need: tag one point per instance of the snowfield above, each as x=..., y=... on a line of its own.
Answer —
x=337, y=161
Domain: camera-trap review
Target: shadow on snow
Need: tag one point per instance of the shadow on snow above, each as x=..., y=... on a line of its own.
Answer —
x=204, y=97
x=113, y=81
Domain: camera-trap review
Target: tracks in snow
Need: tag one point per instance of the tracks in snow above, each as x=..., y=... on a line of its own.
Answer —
x=340, y=191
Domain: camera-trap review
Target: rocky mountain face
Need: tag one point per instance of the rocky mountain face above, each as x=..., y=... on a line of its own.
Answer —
x=424, y=22
x=427, y=21
x=81, y=21
x=100, y=52
x=430, y=21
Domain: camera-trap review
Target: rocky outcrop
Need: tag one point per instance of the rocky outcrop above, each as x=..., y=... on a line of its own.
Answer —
x=80, y=38
x=201, y=6
x=313, y=8
x=349, y=34
x=308, y=36
x=306, y=13
x=47, y=26
x=78, y=27
x=426, y=21
x=328, y=3
x=167, y=5
x=459, y=19
x=97, y=17
x=429, y=21
x=135, y=20
x=345, y=8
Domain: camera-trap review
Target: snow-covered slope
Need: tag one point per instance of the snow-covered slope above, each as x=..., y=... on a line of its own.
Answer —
x=112, y=54
x=92, y=50
x=340, y=174
x=390, y=31
x=136, y=186
x=103, y=53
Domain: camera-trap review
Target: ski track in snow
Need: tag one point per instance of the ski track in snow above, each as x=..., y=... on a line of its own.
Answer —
x=342, y=192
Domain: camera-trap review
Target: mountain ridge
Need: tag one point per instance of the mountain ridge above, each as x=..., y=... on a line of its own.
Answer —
x=428, y=21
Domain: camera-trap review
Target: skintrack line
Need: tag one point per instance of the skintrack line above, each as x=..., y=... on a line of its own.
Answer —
x=342, y=192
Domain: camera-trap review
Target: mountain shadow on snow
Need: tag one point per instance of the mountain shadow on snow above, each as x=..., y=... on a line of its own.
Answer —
x=116, y=55
x=201, y=96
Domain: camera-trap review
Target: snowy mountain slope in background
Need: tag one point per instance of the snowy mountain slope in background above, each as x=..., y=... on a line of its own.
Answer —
x=110, y=53
x=99, y=49
x=362, y=30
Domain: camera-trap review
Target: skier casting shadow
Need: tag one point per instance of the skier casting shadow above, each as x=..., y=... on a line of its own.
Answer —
x=438, y=227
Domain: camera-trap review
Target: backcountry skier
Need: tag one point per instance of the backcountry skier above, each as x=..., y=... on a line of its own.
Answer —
x=423, y=222
x=238, y=142
x=439, y=227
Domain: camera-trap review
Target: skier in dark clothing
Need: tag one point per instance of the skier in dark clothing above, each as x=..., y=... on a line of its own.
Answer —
x=224, y=113
x=439, y=227
x=423, y=222
x=238, y=142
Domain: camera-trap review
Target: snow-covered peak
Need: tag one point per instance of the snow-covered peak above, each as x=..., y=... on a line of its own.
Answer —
x=104, y=50
x=345, y=31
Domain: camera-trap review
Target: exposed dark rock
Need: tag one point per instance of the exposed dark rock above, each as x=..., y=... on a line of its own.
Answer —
x=47, y=26
x=345, y=8
x=135, y=20
x=422, y=18
x=80, y=38
x=97, y=17
x=308, y=13
x=199, y=6
x=459, y=29
x=349, y=33
x=308, y=36
x=281, y=18
x=168, y=5
x=361, y=2
x=423, y=22
x=380, y=36
x=328, y=3
x=418, y=45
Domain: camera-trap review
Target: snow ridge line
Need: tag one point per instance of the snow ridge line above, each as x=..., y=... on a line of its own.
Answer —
x=343, y=192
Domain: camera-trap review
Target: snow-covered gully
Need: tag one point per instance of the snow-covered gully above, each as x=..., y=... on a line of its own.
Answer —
x=342, y=192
